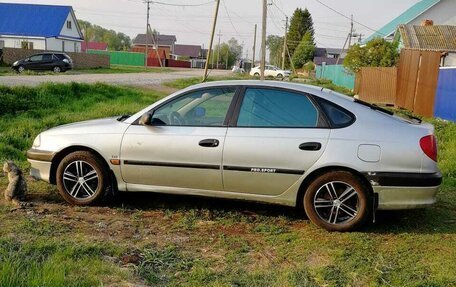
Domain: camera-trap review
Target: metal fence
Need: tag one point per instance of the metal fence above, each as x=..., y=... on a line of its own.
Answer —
x=122, y=58
x=337, y=74
x=445, y=99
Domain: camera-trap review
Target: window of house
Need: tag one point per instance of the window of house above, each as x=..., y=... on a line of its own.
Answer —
x=27, y=45
x=277, y=108
x=63, y=46
x=68, y=24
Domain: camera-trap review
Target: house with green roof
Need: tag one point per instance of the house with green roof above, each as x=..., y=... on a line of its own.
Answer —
x=441, y=12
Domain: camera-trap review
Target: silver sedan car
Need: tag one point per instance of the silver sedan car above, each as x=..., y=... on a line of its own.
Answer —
x=335, y=157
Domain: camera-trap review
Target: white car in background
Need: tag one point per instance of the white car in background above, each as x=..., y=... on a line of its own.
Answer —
x=270, y=71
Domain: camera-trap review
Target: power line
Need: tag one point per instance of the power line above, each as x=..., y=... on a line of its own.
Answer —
x=232, y=24
x=182, y=5
x=349, y=18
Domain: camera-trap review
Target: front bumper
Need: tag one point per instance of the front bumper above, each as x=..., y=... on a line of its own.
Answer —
x=398, y=191
x=41, y=162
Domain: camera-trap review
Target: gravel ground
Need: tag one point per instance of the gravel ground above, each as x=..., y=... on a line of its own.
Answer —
x=131, y=79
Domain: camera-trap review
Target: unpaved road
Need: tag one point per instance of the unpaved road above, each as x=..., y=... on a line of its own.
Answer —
x=129, y=79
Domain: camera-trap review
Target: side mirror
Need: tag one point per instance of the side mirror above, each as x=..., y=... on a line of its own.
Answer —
x=146, y=119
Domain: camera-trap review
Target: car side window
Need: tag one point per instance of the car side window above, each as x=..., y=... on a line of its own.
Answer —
x=47, y=57
x=36, y=58
x=338, y=116
x=201, y=108
x=277, y=108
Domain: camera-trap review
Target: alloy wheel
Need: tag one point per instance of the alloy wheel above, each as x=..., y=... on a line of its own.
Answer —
x=80, y=180
x=336, y=202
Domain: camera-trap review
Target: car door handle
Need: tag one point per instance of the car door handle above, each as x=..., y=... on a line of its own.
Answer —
x=209, y=143
x=312, y=146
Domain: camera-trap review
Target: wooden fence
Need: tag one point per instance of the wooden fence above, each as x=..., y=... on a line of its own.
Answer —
x=411, y=86
x=378, y=85
x=418, y=76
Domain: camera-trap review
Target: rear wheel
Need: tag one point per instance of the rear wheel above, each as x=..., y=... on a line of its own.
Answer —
x=82, y=178
x=338, y=201
x=257, y=75
x=279, y=76
x=56, y=69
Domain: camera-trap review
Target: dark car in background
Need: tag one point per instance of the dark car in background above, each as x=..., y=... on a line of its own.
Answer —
x=56, y=62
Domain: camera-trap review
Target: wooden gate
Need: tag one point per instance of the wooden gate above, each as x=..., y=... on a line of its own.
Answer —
x=377, y=85
x=417, y=79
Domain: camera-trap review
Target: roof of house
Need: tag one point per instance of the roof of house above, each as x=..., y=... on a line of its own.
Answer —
x=93, y=46
x=405, y=18
x=161, y=40
x=320, y=52
x=328, y=61
x=32, y=20
x=192, y=51
x=336, y=51
x=437, y=38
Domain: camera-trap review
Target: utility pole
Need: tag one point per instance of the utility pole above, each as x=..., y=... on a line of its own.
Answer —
x=254, y=46
x=147, y=34
x=227, y=55
x=209, y=51
x=284, y=43
x=351, y=32
x=263, y=39
x=153, y=38
x=218, y=51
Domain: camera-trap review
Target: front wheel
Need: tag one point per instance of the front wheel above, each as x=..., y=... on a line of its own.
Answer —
x=338, y=201
x=56, y=69
x=256, y=75
x=81, y=178
x=20, y=69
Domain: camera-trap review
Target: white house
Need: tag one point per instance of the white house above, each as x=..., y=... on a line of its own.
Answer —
x=441, y=12
x=40, y=27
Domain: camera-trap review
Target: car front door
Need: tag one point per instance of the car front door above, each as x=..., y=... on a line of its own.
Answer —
x=182, y=144
x=35, y=62
x=277, y=136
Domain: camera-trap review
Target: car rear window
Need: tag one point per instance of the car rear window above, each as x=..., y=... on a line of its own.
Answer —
x=338, y=116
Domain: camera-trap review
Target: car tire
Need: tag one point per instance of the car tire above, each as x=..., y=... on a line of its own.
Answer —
x=338, y=201
x=256, y=75
x=82, y=178
x=57, y=69
x=279, y=76
x=20, y=69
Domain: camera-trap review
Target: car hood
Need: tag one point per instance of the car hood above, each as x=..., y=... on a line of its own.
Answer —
x=100, y=126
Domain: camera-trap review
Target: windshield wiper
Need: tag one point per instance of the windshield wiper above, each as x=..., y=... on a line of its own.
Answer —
x=123, y=118
x=374, y=107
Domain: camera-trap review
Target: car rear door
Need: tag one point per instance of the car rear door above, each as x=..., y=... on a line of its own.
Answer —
x=183, y=146
x=47, y=62
x=274, y=137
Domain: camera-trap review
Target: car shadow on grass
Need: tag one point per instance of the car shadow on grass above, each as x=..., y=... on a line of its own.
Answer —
x=439, y=219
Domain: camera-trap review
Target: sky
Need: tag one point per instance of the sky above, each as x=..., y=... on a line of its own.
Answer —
x=193, y=24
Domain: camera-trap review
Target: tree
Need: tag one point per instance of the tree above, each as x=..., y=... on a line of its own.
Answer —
x=376, y=53
x=275, y=47
x=301, y=22
x=304, y=52
x=230, y=50
x=94, y=33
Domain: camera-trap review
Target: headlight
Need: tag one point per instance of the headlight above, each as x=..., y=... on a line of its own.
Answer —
x=15, y=63
x=66, y=61
x=37, y=141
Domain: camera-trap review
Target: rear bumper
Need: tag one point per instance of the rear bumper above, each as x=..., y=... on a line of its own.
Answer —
x=405, y=190
x=397, y=198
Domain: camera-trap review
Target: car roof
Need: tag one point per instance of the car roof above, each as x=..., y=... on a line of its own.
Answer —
x=314, y=90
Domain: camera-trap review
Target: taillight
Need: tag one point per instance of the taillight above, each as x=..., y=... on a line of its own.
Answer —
x=429, y=146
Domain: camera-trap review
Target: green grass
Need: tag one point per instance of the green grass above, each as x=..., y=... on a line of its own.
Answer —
x=163, y=240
